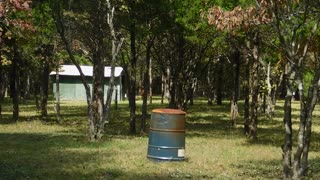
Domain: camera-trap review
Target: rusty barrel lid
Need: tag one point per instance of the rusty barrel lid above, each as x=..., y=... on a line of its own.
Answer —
x=169, y=111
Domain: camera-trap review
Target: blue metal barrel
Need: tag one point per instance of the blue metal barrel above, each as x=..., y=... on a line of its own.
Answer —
x=167, y=135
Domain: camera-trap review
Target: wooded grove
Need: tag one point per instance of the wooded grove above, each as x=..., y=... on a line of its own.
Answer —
x=250, y=55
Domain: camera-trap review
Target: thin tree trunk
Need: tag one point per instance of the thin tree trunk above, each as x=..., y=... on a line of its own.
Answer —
x=235, y=92
x=313, y=95
x=246, y=99
x=150, y=81
x=210, y=84
x=45, y=89
x=172, y=91
x=146, y=86
x=116, y=99
x=57, y=105
x=132, y=84
x=255, y=86
x=167, y=84
x=36, y=92
x=276, y=90
x=219, y=83
x=180, y=95
x=4, y=84
x=254, y=101
x=57, y=16
x=287, y=146
x=131, y=93
x=109, y=96
x=176, y=86
x=101, y=115
x=192, y=90
x=297, y=169
x=300, y=163
x=26, y=91
x=15, y=83
x=312, y=101
x=163, y=85
x=98, y=95
x=270, y=108
x=264, y=102
x=132, y=104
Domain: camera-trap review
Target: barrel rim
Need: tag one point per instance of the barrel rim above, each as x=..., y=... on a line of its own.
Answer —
x=169, y=111
x=166, y=158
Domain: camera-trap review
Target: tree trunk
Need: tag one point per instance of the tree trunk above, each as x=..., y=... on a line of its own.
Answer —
x=4, y=83
x=219, y=83
x=45, y=88
x=167, y=84
x=15, y=83
x=192, y=90
x=235, y=93
x=104, y=114
x=255, y=85
x=26, y=89
x=270, y=107
x=132, y=79
x=146, y=86
x=176, y=86
x=210, y=84
x=57, y=16
x=172, y=91
x=116, y=99
x=163, y=85
x=313, y=94
x=275, y=91
x=297, y=168
x=98, y=94
x=264, y=102
x=254, y=101
x=300, y=163
x=36, y=92
x=57, y=105
x=180, y=95
x=312, y=101
x=246, y=99
x=150, y=81
x=287, y=146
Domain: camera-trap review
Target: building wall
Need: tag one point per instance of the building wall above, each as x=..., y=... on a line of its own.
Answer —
x=71, y=88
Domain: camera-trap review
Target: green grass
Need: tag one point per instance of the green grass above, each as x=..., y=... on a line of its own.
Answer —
x=32, y=149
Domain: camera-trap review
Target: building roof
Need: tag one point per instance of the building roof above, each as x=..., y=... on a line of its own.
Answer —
x=71, y=70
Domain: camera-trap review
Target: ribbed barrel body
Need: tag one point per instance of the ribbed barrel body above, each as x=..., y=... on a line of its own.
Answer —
x=167, y=135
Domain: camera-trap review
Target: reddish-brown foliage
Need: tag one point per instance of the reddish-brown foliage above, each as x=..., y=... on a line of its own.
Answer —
x=7, y=8
x=239, y=18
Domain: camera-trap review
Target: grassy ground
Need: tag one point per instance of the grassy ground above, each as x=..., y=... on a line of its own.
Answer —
x=31, y=149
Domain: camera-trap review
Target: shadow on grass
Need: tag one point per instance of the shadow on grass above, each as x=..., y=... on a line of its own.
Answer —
x=120, y=174
x=259, y=169
x=38, y=156
x=52, y=156
x=270, y=169
x=210, y=126
x=7, y=119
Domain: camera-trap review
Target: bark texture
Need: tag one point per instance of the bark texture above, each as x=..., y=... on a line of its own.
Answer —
x=45, y=88
x=146, y=86
x=219, y=82
x=15, y=74
x=236, y=86
x=247, y=99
